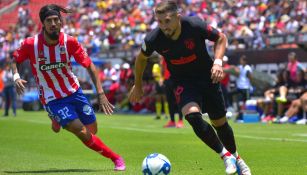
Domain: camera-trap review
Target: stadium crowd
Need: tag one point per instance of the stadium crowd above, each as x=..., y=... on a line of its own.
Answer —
x=123, y=24
x=107, y=25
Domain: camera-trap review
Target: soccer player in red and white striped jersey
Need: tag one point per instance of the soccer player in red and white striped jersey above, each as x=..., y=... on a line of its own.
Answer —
x=50, y=54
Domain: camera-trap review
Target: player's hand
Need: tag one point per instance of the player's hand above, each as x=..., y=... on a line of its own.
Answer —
x=216, y=73
x=135, y=94
x=20, y=87
x=104, y=104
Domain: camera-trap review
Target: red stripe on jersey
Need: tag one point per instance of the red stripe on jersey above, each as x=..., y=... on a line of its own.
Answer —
x=45, y=74
x=55, y=72
x=41, y=97
x=183, y=60
x=64, y=70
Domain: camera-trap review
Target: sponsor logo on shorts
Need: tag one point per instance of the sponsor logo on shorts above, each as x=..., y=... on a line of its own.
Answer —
x=87, y=110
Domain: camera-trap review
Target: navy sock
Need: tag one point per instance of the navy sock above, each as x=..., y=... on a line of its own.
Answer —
x=226, y=136
x=204, y=131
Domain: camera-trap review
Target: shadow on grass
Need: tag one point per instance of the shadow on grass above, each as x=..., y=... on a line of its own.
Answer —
x=54, y=171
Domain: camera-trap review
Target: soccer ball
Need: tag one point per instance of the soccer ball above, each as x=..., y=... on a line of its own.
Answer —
x=156, y=164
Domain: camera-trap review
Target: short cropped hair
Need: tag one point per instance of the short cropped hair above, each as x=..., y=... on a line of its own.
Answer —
x=292, y=54
x=166, y=6
x=243, y=58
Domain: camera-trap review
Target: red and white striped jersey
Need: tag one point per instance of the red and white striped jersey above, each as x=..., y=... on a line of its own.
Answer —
x=51, y=64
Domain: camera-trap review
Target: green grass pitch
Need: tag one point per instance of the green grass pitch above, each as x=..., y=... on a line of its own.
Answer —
x=28, y=146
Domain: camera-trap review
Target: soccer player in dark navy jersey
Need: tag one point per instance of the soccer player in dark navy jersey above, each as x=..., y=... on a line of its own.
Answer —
x=181, y=41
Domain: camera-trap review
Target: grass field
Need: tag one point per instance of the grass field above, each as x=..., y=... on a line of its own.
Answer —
x=28, y=146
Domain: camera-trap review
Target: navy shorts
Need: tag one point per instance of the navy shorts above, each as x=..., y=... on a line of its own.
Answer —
x=208, y=96
x=67, y=109
x=160, y=89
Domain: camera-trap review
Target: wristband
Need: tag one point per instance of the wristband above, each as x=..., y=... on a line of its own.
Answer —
x=218, y=62
x=16, y=76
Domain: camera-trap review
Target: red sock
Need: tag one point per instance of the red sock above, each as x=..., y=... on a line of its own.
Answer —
x=97, y=145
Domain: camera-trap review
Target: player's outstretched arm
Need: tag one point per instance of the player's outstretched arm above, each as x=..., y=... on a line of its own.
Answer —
x=19, y=83
x=104, y=103
x=136, y=92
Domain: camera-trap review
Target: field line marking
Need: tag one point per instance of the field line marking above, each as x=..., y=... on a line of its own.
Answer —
x=271, y=138
x=300, y=134
x=167, y=131
x=145, y=130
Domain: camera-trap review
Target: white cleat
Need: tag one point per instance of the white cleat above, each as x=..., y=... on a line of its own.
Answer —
x=243, y=169
x=284, y=119
x=230, y=164
x=302, y=122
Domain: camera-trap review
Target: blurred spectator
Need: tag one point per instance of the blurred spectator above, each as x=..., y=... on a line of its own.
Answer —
x=160, y=93
x=23, y=2
x=269, y=96
x=9, y=93
x=124, y=23
x=109, y=76
x=243, y=82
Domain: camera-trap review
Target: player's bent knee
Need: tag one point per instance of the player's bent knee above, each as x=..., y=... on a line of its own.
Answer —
x=189, y=108
x=219, y=122
x=194, y=118
x=92, y=128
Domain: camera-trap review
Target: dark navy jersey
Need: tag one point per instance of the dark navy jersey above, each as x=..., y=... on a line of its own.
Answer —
x=187, y=57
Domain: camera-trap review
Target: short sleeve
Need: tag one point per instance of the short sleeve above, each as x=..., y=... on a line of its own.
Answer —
x=248, y=69
x=206, y=31
x=22, y=53
x=78, y=52
x=147, y=47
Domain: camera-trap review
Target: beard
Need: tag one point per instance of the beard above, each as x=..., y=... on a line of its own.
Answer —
x=53, y=35
x=170, y=34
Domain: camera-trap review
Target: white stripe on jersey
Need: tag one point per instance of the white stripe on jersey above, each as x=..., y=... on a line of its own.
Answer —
x=51, y=75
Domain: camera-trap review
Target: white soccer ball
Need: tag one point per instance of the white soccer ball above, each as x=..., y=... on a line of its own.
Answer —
x=156, y=164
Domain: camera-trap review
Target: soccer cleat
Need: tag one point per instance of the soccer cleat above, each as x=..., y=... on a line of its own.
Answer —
x=284, y=119
x=230, y=163
x=301, y=122
x=170, y=124
x=119, y=164
x=179, y=124
x=243, y=169
x=276, y=119
x=267, y=119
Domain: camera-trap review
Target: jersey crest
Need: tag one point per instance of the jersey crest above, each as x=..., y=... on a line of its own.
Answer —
x=189, y=43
